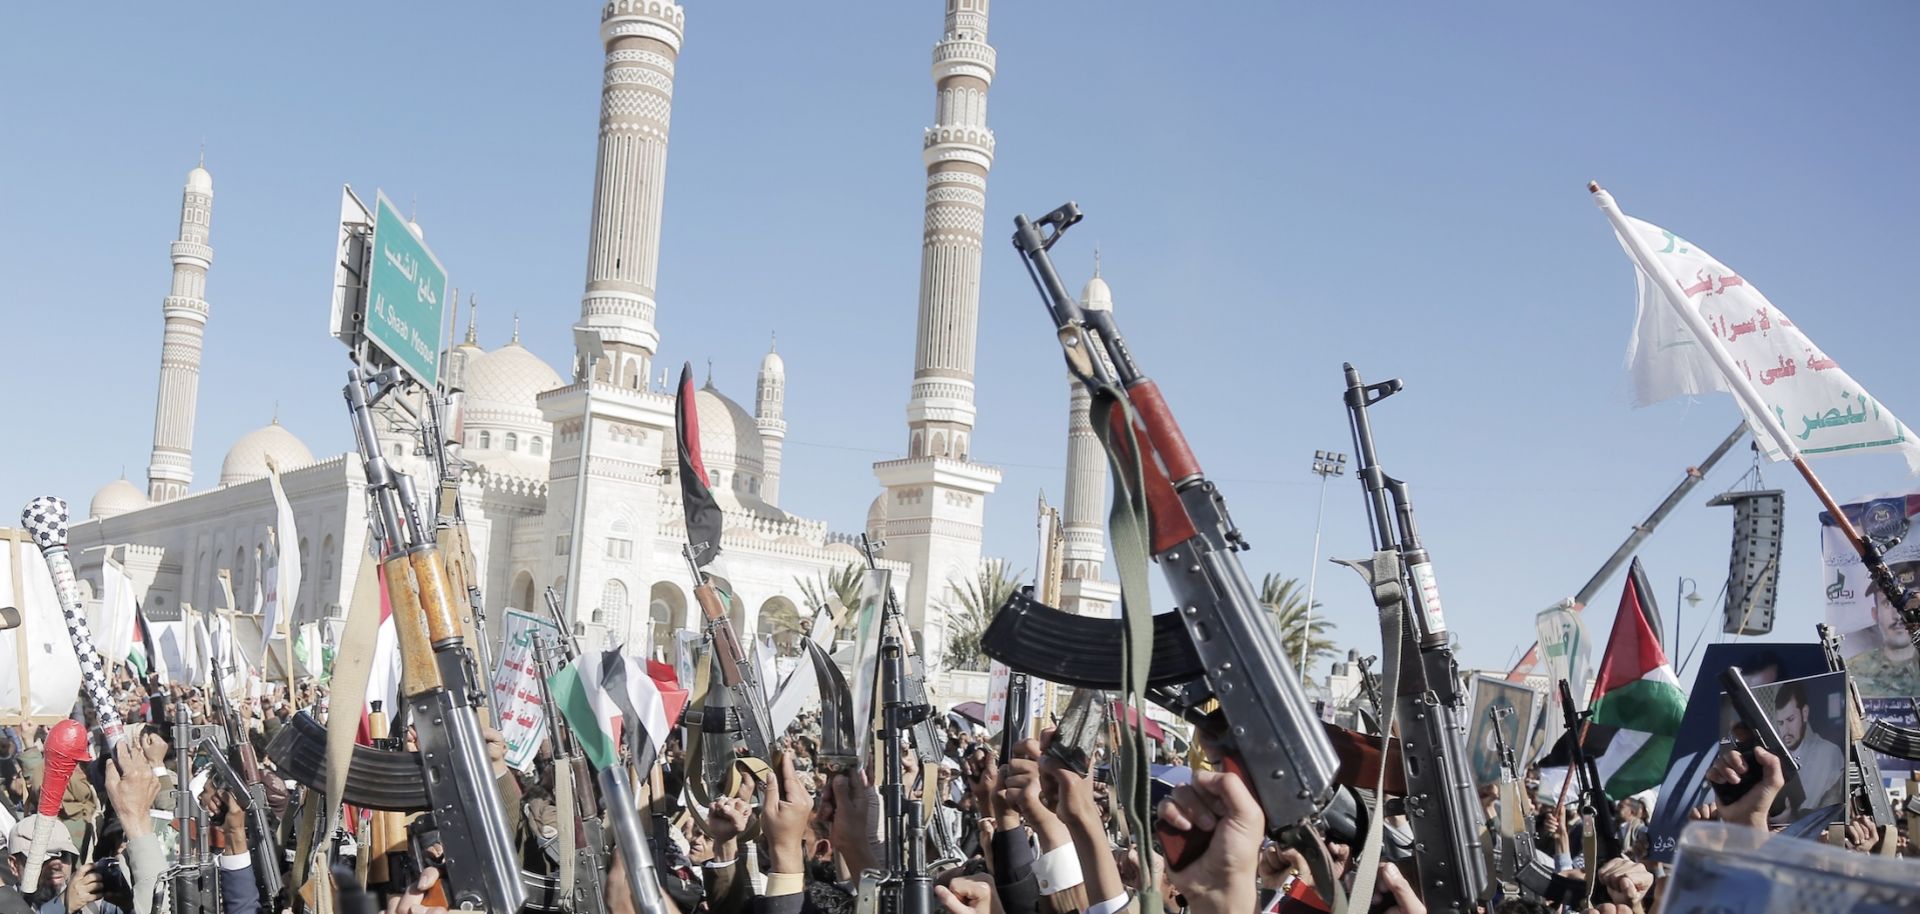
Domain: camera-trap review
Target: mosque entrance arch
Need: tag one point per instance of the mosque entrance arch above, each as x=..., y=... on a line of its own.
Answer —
x=780, y=618
x=666, y=614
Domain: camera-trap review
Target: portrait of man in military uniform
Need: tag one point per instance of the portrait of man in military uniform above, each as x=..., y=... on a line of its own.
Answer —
x=1892, y=669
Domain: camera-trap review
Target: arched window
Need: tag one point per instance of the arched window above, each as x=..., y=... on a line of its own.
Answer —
x=305, y=568
x=613, y=604
x=486, y=440
x=537, y=447
x=326, y=558
x=513, y=442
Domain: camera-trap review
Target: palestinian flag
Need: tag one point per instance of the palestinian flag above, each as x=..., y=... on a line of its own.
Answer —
x=609, y=698
x=140, y=655
x=696, y=495
x=1637, y=702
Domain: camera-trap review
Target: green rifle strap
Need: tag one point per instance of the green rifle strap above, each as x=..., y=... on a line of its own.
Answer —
x=564, y=806
x=1384, y=576
x=1129, y=523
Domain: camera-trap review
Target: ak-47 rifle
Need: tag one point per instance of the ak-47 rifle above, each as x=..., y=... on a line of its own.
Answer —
x=927, y=745
x=588, y=893
x=450, y=534
x=439, y=690
x=1517, y=866
x=1603, y=833
x=1443, y=805
x=905, y=887
x=193, y=882
x=241, y=769
x=1866, y=790
x=1219, y=644
x=749, y=720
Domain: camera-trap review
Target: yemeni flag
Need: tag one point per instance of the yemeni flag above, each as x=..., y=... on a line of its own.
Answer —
x=703, y=512
x=1637, y=702
x=609, y=698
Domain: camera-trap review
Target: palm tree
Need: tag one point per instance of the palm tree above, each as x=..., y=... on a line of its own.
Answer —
x=843, y=585
x=1287, y=606
x=973, y=606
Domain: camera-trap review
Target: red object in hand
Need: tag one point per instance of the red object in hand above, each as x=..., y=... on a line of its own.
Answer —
x=66, y=746
x=1184, y=847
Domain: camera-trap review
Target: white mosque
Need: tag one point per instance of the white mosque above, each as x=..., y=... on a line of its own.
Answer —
x=530, y=435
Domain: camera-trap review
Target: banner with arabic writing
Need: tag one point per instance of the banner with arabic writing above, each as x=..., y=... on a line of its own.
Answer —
x=516, y=686
x=1872, y=636
x=1823, y=409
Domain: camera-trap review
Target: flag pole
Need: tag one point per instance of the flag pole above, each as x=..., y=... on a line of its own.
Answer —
x=1749, y=397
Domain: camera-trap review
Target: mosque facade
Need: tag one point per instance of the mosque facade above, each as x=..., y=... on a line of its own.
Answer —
x=568, y=481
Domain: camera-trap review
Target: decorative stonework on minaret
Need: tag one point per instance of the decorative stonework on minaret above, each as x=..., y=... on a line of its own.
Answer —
x=958, y=152
x=936, y=497
x=1084, y=521
x=170, y=469
x=604, y=463
x=769, y=413
x=642, y=39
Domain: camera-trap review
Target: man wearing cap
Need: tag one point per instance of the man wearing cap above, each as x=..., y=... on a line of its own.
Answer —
x=60, y=891
x=1891, y=670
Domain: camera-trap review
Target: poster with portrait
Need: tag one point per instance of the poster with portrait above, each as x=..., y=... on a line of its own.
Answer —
x=1517, y=706
x=1810, y=714
x=1879, y=654
x=1701, y=728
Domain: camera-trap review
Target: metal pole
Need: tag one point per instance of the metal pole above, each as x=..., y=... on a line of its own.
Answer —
x=579, y=506
x=1313, y=577
x=1325, y=464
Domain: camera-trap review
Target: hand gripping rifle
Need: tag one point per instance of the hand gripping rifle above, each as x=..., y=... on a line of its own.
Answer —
x=1866, y=789
x=193, y=882
x=240, y=769
x=748, y=720
x=1442, y=803
x=905, y=887
x=1516, y=864
x=438, y=689
x=927, y=744
x=1218, y=644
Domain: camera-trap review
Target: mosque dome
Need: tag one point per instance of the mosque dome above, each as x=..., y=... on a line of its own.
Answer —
x=510, y=375
x=503, y=425
x=116, y=498
x=1096, y=296
x=730, y=448
x=247, y=460
x=200, y=180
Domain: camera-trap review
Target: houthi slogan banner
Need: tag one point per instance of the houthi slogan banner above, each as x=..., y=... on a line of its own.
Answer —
x=1565, y=647
x=1872, y=635
x=516, y=686
x=1703, y=327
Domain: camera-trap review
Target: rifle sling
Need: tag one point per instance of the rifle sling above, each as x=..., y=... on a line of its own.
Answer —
x=1384, y=576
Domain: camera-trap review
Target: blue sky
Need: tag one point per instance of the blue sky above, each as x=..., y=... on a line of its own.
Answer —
x=1276, y=188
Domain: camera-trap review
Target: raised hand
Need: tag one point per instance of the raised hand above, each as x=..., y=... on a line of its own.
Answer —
x=1627, y=881
x=968, y=895
x=1751, y=809
x=1222, y=879
x=783, y=818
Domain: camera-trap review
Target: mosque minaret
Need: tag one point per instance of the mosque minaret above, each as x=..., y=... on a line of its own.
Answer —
x=1084, y=524
x=934, y=506
x=769, y=413
x=170, y=469
x=642, y=39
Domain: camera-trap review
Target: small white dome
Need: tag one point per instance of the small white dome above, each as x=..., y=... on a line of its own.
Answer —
x=877, y=518
x=1096, y=296
x=247, y=461
x=200, y=181
x=116, y=498
x=773, y=365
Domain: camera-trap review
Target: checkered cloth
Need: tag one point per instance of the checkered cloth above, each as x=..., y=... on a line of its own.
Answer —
x=45, y=519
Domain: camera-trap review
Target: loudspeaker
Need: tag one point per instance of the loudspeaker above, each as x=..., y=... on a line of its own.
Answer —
x=1754, y=566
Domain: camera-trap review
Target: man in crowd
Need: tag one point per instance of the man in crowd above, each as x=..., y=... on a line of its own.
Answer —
x=1822, y=763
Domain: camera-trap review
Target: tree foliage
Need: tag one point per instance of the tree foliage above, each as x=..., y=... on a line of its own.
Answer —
x=971, y=609
x=1286, y=604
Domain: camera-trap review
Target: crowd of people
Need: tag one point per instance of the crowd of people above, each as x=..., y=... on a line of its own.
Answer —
x=1034, y=836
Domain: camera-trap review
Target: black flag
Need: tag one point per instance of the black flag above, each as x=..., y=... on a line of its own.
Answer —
x=703, y=513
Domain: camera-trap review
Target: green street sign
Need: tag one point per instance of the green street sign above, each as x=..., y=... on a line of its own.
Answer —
x=406, y=296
